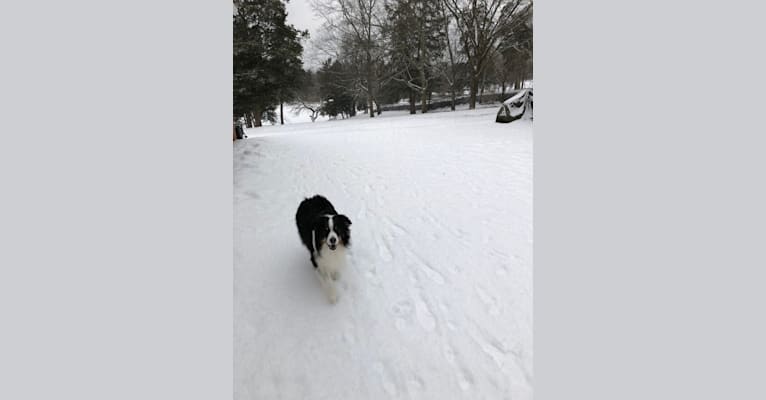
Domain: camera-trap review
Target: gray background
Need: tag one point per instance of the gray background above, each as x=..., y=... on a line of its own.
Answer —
x=649, y=200
x=115, y=166
x=116, y=207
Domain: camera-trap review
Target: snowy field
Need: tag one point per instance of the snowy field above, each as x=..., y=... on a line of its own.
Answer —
x=437, y=300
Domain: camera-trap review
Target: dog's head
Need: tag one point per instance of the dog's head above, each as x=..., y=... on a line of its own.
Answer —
x=333, y=230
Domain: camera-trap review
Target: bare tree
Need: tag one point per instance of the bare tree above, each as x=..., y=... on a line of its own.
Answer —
x=314, y=109
x=516, y=50
x=355, y=26
x=451, y=66
x=503, y=74
x=482, y=24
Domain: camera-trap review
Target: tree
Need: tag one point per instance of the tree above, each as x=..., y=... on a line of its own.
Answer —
x=417, y=41
x=267, y=59
x=307, y=96
x=452, y=70
x=516, y=50
x=356, y=26
x=336, y=98
x=482, y=24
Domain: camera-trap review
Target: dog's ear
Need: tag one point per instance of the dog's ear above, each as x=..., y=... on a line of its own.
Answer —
x=344, y=219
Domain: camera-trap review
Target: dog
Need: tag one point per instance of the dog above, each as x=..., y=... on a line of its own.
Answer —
x=326, y=235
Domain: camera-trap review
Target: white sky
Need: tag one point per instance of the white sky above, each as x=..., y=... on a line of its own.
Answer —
x=301, y=16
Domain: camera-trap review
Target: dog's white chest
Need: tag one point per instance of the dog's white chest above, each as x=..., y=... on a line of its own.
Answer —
x=331, y=261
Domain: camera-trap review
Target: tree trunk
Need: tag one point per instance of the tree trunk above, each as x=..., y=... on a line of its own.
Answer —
x=257, y=114
x=377, y=107
x=483, y=84
x=412, y=102
x=281, y=114
x=249, y=120
x=369, y=106
x=451, y=56
x=424, y=90
x=474, y=89
x=370, y=86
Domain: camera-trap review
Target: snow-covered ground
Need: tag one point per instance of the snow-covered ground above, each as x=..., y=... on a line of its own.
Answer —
x=437, y=300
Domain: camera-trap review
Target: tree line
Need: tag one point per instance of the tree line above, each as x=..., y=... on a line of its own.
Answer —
x=379, y=52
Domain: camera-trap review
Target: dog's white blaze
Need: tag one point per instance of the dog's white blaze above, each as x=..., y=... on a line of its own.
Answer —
x=332, y=232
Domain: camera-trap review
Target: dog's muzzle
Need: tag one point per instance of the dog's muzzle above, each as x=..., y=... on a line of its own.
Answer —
x=332, y=243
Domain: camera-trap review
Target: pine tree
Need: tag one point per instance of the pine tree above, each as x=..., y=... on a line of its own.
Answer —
x=267, y=58
x=417, y=41
x=337, y=99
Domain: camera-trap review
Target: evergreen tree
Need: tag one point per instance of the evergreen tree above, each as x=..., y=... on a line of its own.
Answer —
x=267, y=59
x=337, y=99
x=417, y=41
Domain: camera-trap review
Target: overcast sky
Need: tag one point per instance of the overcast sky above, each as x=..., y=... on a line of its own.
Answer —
x=301, y=16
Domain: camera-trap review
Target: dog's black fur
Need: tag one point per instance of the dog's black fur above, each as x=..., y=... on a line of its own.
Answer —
x=311, y=216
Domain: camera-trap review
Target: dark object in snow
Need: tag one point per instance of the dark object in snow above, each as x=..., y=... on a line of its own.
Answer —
x=516, y=107
x=239, y=133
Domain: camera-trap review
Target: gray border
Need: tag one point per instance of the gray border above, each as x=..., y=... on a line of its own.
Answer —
x=116, y=216
x=116, y=210
x=649, y=201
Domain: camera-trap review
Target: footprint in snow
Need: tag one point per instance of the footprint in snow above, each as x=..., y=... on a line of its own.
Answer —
x=425, y=317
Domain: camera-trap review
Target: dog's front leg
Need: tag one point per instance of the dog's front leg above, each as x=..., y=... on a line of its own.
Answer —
x=327, y=285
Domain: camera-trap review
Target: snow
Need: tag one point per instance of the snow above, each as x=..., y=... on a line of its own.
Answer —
x=436, y=302
x=516, y=97
x=295, y=115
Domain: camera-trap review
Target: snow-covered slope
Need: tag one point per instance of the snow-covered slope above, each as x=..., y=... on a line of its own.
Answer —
x=437, y=300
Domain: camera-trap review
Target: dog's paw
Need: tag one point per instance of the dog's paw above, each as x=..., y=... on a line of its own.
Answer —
x=333, y=297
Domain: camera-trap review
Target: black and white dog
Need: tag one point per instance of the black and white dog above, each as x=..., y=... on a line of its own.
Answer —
x=326, y=234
